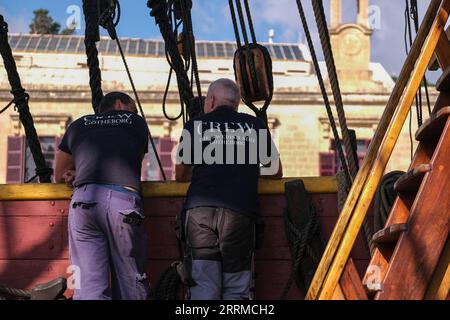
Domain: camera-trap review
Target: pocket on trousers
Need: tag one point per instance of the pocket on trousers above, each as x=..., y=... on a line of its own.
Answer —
x=134, y=239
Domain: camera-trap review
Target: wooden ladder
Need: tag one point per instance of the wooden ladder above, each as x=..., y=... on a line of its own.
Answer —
x=410, y=247
x=412, y=255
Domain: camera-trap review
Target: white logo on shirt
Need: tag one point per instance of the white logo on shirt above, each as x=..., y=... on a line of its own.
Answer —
x=104, y=120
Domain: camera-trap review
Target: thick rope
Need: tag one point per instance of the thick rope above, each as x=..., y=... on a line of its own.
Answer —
x=21, y=99
x=16, y=293
x=312, y=50
x=159, y=11
x=299, y=244
x=91, y=15
x=187, y=22
x=322, y=26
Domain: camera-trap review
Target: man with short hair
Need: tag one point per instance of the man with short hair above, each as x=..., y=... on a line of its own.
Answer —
x=101, y=155
x=220, y=153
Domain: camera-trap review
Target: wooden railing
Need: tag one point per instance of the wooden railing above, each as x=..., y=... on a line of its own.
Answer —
x=364, y=187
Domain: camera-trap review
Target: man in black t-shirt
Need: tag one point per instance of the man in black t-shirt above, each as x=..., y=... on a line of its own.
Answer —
x=101, y=156
x=223, y=153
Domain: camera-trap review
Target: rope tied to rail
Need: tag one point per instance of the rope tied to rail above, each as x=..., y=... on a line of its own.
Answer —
x=299, y=244
x=20, y=101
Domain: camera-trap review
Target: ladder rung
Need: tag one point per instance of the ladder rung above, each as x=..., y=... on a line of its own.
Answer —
x=443, y=83
x=410, y=181
x=390, y=234
x=433, y=127
x=441, y=53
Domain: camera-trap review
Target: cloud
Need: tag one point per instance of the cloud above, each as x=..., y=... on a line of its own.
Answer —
x=18, y=23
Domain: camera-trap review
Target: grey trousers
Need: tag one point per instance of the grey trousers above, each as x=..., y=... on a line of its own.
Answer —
x=220, y=247
x=108, y=244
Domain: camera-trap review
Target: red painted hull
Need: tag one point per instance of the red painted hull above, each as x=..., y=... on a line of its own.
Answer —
x=33, y=241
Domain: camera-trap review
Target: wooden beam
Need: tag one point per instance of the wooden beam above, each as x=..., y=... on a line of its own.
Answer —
x=439, y=287
x=369, y=176
x=53, y=191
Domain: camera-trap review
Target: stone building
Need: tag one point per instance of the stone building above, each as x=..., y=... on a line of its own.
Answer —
x=54, y=72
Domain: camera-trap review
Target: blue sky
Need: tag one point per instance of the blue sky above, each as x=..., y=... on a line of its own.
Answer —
x=212, y=21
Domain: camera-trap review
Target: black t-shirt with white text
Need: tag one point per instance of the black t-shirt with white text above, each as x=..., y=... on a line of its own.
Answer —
x=228, y=179
x=107, y=148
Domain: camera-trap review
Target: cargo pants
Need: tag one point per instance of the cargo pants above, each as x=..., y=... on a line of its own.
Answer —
x=108, y=244
x=220, y=244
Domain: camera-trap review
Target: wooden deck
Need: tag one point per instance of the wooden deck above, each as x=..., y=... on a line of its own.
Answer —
x=33, y=232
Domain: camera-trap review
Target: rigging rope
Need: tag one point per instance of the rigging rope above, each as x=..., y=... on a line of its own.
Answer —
x=20, y=100
x=92, y=36
x=321, y=81
x=160, y=11
x=107, y=21
x=250, y=84
x=319, y=13
x=350, y=166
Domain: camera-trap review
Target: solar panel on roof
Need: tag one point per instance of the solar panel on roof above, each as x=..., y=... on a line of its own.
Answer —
x=201, y=50
x=288, y=53
x=23, y=41
x=103, y=45
x=210, y=52
x=161, y=49
x=151, y=48
x=230, y=49
x=142, y=46
x=43, y=43
x=132, y=46
x=112, y=47
x=220, y=49
x=32, y=43
x=62, y=44
x=73, y=45
x=297, y=53
x=278, y=52
x=13, y=41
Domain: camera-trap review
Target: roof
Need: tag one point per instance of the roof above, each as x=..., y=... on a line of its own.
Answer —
x=140, y=47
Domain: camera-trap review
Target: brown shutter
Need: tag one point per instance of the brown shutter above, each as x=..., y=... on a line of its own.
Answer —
x=327, y=163
x=15, y=159
x=165, y=148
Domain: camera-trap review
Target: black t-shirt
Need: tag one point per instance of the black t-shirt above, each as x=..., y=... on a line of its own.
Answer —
x=232, y=182
x=107, y=148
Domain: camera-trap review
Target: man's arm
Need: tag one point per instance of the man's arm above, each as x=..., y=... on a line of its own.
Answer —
x=183, y=173
x=64, y=165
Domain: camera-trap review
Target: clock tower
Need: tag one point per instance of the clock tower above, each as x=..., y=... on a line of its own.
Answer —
x=351, y=47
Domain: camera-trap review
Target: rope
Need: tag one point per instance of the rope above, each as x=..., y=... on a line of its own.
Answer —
x=7, y=106
x=299, y=244
x=92, y=35
x=322, y=26
x=159, y=11
x=107, y=20
x=187, y=23
x=20, y=100
x=167, y=286
x=324, y=93
x=16, y=293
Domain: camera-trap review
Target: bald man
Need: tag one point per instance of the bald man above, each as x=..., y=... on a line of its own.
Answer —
x=222, y=153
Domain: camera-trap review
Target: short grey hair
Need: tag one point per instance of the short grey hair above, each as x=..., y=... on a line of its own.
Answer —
x=226, y=91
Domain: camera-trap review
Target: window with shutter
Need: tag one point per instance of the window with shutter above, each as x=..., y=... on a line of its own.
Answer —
x=15, y=159
x=166, y=146
x=327, y=164
x=49, y=145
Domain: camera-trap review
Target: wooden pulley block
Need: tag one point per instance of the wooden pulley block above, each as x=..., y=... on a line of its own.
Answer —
x=253, y=72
